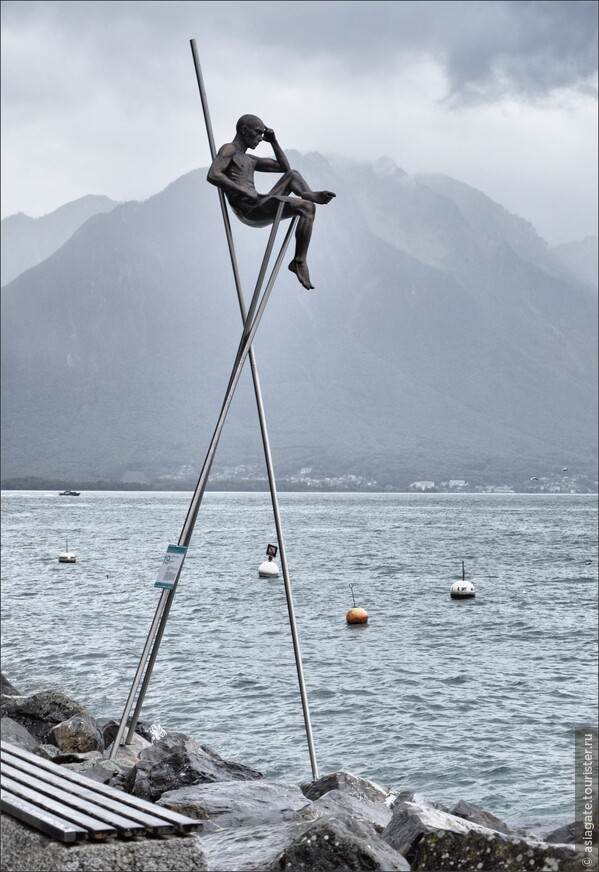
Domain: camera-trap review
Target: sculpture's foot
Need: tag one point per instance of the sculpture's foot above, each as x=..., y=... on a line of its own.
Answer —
x=300, y=268
x=320, y=197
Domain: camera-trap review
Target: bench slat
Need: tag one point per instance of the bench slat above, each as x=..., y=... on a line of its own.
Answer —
x=126, y=826
x=42, y=820
x=95, y=829
x=125, y=818
x=182, y=822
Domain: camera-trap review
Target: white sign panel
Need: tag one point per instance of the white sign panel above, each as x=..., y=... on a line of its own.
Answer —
x=170, y=566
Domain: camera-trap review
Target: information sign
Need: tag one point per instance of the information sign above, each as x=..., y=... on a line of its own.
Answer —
x=170, y=566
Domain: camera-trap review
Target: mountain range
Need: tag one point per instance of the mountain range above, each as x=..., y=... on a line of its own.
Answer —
x=444, y=340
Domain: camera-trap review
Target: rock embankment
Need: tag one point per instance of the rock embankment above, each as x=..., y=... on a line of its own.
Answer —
x=339, y=822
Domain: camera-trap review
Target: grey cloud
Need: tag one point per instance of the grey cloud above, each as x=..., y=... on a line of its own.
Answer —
x=487, y=48
x=525, y=48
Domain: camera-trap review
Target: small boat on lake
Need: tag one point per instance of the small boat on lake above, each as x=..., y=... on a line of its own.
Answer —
x=69, y=493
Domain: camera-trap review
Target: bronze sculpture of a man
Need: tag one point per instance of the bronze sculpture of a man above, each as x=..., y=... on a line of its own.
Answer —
x=233, y=172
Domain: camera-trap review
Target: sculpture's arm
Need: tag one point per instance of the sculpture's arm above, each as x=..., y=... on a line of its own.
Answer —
x=217, y=175
x=267, y=165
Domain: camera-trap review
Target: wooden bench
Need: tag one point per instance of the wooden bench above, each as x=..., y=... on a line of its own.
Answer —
x=70, y=807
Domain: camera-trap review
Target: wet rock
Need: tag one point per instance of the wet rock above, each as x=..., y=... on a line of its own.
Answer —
x=325, y=845
x=476, y=851
x=148, y=730
x=234, y=804
x=79, y=734
x=343, y=803
x=566, y=835
x=471, y=812
x=102, y=770
x=48, y=752
x=128, y=755
x=432, y=839
x=346, y=783
x=414, y=796
x=17, y=734
x=6, y=688
x=411, y=821
x=40, y=712
x=178, y=761
x=72, y=759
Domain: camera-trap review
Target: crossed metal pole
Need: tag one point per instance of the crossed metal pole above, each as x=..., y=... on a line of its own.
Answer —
x=251, y=320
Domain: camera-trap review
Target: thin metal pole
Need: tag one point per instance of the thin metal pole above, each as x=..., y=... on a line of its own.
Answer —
x=263, y=428
x=186, y=532
x=140, y=667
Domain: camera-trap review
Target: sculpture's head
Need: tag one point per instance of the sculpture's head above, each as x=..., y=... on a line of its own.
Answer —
x=251, y=129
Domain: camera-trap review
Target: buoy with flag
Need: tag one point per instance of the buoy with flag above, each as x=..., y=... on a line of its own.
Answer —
x=356, y=615
x=462, y=589
x=269, y=569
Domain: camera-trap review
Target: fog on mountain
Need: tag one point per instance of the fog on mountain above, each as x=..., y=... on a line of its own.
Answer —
x=444, y=341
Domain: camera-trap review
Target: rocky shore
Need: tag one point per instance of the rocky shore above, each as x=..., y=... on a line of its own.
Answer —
x=339, y=822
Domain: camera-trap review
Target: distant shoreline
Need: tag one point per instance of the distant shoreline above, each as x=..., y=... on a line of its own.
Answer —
x=283, y=486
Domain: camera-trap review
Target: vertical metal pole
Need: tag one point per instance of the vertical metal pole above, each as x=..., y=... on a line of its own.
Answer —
x=263, y=428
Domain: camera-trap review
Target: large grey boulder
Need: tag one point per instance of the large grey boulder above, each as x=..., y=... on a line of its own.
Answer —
x=15, y=733
x=234, y=804
x=476, y=851
x=566, y=835
x=340, y=803
x=469, y=811
x=40, y=712
x=128, y=755
x=341, y=793
x=150, y=731
x=432, y=839
x=178, y=761
x=78, y=734
x=98, y=768
x=325, y=845
x=6, y=688
x=347, y=783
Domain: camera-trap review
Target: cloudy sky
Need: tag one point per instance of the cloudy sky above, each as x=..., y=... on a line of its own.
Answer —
x=101, y=97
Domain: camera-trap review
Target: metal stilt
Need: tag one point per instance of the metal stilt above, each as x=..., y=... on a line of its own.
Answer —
x=250, y=325
x=263, y=428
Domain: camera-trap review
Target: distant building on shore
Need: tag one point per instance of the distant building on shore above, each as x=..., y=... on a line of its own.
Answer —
x=422, y=485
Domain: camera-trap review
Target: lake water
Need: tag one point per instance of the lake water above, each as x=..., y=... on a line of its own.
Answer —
x=472, y=699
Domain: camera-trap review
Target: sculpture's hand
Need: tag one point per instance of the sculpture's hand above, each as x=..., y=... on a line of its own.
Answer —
x=269, y=135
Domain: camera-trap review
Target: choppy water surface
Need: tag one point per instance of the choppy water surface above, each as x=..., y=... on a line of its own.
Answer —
x=473, y=699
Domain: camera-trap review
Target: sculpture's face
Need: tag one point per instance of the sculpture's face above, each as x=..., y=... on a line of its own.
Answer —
x=253, y=133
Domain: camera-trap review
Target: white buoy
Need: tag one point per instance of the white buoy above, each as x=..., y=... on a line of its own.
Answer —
x=462, y=589
x=268, y=569
x=67, y=556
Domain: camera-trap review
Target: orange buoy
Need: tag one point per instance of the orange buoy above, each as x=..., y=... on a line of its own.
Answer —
x=356, y=615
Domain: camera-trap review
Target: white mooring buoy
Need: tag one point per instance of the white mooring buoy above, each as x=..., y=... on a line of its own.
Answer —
x=462, y=589
x=269, y=568
x=67, y=556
